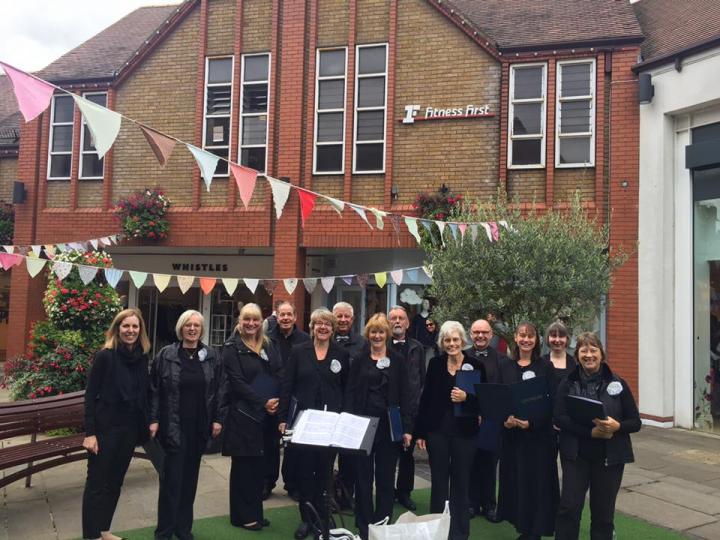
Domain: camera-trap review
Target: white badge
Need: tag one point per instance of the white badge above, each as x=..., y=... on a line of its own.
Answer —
x=527, y=375
x=202, y=354
x=467, y=367
x=263, y=355
x=383, y=363
x=335, y=366
x=614, y=388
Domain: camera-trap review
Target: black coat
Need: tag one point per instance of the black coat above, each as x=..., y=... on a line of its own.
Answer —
x=356, y=393
x=246, y=415
x=490, y=361
x=414, y=354
x=435, y=398
x=165, y=392
x=313, y=383
x=285, y=344
x=621, y=407
x=354, y=344
x=570, y=365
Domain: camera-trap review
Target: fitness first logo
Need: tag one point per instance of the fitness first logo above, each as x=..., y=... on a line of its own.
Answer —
x=413, y=113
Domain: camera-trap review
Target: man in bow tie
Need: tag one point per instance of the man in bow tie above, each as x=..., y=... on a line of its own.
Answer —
x=483, y=500
x=414, y=354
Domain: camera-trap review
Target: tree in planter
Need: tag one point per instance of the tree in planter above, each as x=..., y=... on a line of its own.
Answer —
x=544, y=267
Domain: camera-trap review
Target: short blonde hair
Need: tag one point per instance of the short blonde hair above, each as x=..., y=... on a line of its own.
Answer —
x=449, y=327
x=184, y=318
x=253, y=310
x=377, y=322
x=322, y=314
x=112, y=335
x=590, y=339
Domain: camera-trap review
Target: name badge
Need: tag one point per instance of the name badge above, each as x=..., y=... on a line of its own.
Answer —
x=263, y=355
x=383, y=363
x=335, y=366
x=614, y=388
x=202, y=354
x=467, y=367
x=527, y=375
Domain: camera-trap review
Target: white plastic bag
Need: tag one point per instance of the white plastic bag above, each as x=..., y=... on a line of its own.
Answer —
x=411, y=527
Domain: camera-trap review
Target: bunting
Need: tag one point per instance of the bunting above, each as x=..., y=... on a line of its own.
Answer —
x=327, y=283
x=411, y=224
x=307, y=203
x=336, y=204
x=207, y=163
x=103, y=124
x=112, y=276
x=309, y=284
x=245, y=178
x=290, y=284
x=251, y=283
x=161, y=281
x=230, y=285
x=397, y=276
x=185, y=282
x=33, y=95
x=61, y=269
x=280, y=192
x=138, y=278
x=87, y=273
x=379, y=215
x=34, y=265
x=207, y=284
x=161, y=145
x=360, y=211
x=380, y=279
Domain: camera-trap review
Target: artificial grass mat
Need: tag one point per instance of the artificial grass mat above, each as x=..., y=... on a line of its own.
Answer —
x=284, y=521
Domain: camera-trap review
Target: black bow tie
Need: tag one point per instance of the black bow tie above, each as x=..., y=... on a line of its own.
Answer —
x=400, y=341
x=481, y=353
x=342, y=339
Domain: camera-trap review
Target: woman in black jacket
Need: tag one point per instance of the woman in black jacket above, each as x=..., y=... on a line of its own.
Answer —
x=116, y=418
x=186, y=409
x=378, y=381
x=529, y=489
x=315, y=375
x=557, y=338
x=595, y=455
x=449, y=439
x=254, y=371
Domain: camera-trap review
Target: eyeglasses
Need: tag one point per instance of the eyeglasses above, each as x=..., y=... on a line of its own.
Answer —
x=323, y=323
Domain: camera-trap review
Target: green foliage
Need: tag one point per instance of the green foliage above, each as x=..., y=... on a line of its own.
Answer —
x=544, y=267
x=7, y=223
x=142, y=214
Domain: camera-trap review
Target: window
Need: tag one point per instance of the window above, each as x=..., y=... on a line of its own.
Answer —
x=61, y=137
x=330, y=111
x=575, y=132
x=370, y=105
x=91, y=167
x=218, y=108
x=254, y=103
x=527, y=116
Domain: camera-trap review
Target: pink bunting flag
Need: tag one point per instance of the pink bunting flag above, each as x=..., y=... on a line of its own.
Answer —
x=463, y=228
x=207, y=284
x=33, y=95
x=307, y=203
x=494, y=231
x=8, y=260
x=161, y=145
x=245, y=178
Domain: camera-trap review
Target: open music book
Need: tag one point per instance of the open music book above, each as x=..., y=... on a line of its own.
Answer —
x=342, y=430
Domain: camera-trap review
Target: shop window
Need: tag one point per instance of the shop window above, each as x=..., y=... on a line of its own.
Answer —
x=575, y=137
x=61, y=137
x=330, y=91
x=91, y=166
x=370, y=108
x=218, y=109
x=527, y=116
x=255, y=99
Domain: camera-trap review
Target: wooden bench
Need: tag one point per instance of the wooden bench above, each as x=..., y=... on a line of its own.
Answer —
x=37, y=416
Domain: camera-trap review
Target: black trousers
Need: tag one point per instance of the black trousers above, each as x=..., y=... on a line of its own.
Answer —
x=406, y=471
x=290, y=468
x=271, y=444
x=347, y=469
x=105, y=474
x=178, y=485
x=450, y=459
x=246, y=485
x=313, y=477
x=380, y=465
x=604, y=483
x=483, y=480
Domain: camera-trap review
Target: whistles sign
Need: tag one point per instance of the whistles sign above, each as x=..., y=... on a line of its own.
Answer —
x=415, y=113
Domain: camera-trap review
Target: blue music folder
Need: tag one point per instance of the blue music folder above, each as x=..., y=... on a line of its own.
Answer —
x=466, y=381
x=395, y=422
x=266, y=386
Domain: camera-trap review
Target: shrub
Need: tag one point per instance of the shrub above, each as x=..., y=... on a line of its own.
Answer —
x=142, y=214
x=7, y=223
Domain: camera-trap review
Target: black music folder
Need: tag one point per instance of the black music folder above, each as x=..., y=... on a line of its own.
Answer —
x=584, y=410
x=526, y=400
x=395, y=422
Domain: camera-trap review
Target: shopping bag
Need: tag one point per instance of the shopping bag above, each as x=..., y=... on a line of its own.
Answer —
x=411, y=527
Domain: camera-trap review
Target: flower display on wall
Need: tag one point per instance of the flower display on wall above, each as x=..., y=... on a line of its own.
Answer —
x=142, y=214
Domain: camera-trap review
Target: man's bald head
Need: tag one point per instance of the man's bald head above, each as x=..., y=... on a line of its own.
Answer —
x=481, y=333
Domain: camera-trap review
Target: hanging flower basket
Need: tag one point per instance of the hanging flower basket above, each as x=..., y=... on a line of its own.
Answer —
x=438, y=206
x=142, y=215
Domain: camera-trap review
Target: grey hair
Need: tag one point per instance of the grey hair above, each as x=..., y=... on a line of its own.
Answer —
x=447, y=328
x=344, y=305
x=184, y=318
x=398, y=307
x=322, y=314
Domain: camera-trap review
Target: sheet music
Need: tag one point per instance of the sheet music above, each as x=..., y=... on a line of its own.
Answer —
x=315, y=427
x=350, y=431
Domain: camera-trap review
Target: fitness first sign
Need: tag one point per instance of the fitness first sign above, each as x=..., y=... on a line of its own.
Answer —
x=415, y=113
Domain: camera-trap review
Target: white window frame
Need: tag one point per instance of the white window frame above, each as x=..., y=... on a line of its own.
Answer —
x=543, y=116
x=229, y=116
x=318, y=78
x=558, y=112
x=362, y=109
x=53, y=124
x=246, y=115
x=83, y=152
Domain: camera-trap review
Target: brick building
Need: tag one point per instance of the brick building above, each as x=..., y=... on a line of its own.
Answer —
x=316, y=92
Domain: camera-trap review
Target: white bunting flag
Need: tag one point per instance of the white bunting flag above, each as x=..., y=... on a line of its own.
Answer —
x=103, y=124
x=428, y=270
x=113, y=275
x=94, y=243
x=360, y=212
x=486, y=226
x=397, y=276
x=412, y=227
x=138, y=278
x=207, y=163
x=251, y=283
x=474, y=231
x=87, y=273
x=61, y=269
x=290, y=284
x=280, y=192
x=328, y=283
x=161, y=281
x=441, y=227
x=105, y=240
x=310, y=284
x=379, y=215
x=113, y=238
x=36, y=250
x=185, y=282
x=9, y=249
x=34, y=265
x=230, y=285
x=337, y=205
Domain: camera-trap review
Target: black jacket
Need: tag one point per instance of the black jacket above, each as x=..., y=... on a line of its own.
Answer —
x=165, y=392
x=246, y=415
x=398, y=392
x=621, y=407
x=354, y=344
x=490, y=361
x=314, y=384
x=285, y=344
x=435, y=398
x=511, y=372
x=415, y=367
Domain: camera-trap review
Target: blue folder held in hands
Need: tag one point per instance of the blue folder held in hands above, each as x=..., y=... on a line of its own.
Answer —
x=466, y=381
x=395, y=421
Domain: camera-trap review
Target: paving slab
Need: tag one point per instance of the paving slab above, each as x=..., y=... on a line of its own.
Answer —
x=694, y=486
x=650, y=459
x=681, y=496
x=710, y=531
x=631, y=479
x=30, y=519
x=665, y=514
x=693, y=472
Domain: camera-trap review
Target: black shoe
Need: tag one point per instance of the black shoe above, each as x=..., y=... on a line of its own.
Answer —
x=405, y=500
x=266, y=493
x=472, y=512
x=294, y=495
x=257, y=526
x=492, y=515
x=302, y=531
x=265, y=522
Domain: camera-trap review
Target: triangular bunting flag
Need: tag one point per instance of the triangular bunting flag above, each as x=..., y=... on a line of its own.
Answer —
x=161, y=281
x=347, y=280
x=360, y=212
x=251, y=283
x=379, y=215
x=87, y=273
x=161, y=145
x=362, y=280
x=113, y=239
x=62, y=248
x=245, y=178
x=94, y=243
x=337, y=205
x=310, y=284
x=113, y=275
x=138, y=278
x=486, y=226
x=380, y=279
x=207, y=163
x=428, y=270
x=454, y=230
x=76, y=246
x=33, y=95
x=474, y=231
x=207, y=284
x=61, y=269
x=290, y=284
x=9, y=249
x=504, y=224
x=8, y=260
x=104, y=124
x=105, y=240
x=463, y=228
x=328, y=283
x=36, y=250
x=441, y=227
x=397, y=276
x=280, y=192
x=185, y=282
x=494, y=230
x=427, y=224
x=412, y=275
x=230, y=285
x=270, y=285
x=411, y=224
x=50, y=250
x=307, y=203
x=34, y=265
